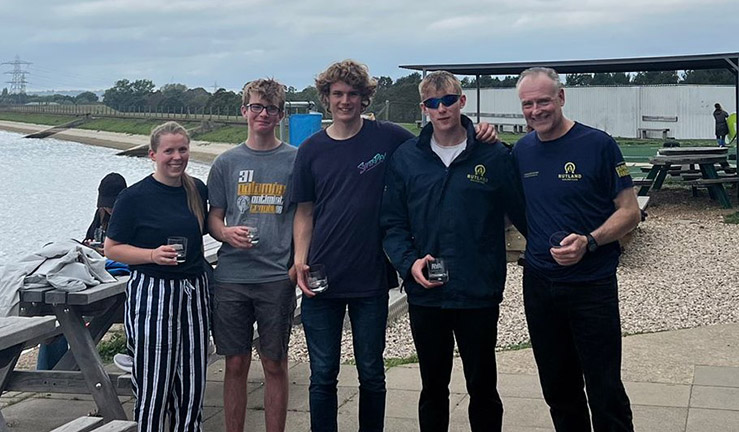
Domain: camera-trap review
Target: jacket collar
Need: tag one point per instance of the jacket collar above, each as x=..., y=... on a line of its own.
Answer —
x=424, y=138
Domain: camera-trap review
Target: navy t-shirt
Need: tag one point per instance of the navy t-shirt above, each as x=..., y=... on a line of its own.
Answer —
x=147, y=213
x=344, y=179
x=569, y=185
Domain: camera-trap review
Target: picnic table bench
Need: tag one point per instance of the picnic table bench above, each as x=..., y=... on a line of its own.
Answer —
x=95, y=424
x=705, y=158
x=15, y=334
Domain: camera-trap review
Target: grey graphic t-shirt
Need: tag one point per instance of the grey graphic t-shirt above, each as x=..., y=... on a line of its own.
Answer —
x=254, y=184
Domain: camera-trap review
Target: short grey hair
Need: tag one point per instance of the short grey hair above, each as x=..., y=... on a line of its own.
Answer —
x=549, y=72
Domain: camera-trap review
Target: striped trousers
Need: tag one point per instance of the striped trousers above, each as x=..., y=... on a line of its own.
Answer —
x=167, y=326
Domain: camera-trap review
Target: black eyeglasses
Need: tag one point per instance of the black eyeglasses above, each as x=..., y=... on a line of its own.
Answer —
x=447, y=100
x=257, y=108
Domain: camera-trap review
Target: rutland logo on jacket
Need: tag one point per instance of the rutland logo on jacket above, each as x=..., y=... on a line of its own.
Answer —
x=479, y=175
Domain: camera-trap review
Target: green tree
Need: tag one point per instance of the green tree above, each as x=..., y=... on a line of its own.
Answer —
x=128, y=96
x=87, y=97
x=708, y=76
x=578, y=79
x=173, y=97
x=224, y=102
x=656, y=77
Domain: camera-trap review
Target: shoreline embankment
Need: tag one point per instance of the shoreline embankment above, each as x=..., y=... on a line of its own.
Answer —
x=201, y=151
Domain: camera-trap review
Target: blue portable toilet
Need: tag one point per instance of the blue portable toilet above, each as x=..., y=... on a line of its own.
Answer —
x=304, y=125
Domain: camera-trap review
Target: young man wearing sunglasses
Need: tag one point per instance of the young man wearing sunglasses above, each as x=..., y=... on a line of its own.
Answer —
x=254, y=280
x=446, y=197
x=338, y=182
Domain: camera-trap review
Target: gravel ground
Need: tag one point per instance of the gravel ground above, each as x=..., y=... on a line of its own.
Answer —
x=677, y=272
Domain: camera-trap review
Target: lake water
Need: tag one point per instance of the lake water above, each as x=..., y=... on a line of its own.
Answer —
x=48, y=189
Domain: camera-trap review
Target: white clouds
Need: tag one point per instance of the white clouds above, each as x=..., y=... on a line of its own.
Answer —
x=200, y=41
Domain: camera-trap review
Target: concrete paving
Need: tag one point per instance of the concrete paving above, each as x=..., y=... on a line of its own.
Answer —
x=678, y=381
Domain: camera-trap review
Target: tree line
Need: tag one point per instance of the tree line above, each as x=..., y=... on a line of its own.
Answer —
x=395, y=100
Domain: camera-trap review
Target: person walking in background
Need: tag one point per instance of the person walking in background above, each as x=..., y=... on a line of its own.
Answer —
x=255, y=282
x=579, y=202
x=722, y=127
x=157, y=228
x=430, y=181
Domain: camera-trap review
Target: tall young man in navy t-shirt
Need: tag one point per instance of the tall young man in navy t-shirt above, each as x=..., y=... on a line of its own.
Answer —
x=337, y=182
x=575, y=182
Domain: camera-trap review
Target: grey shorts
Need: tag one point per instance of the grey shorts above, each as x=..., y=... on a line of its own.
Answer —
x=237, y=306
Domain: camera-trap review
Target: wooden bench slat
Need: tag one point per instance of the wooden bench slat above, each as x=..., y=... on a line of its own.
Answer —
x=81, y=424
x=117, y=426
x=706, y=182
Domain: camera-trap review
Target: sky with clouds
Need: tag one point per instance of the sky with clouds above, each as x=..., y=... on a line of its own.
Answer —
x=89, y=44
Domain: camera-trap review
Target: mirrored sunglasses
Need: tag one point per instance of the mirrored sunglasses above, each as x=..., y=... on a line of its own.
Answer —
x=447, y=100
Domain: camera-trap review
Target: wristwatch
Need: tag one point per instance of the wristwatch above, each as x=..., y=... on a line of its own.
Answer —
x=592, y=244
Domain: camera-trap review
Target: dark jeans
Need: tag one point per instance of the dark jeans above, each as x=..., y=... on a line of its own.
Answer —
x=434, y=330
x=323, y=321
x=575, y=331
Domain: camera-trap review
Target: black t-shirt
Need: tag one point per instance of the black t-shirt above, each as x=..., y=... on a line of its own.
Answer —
x=149, y=212
x=344, y=180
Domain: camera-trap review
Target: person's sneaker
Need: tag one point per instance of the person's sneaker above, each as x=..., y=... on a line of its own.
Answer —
x=211, y=349
x=124, y=362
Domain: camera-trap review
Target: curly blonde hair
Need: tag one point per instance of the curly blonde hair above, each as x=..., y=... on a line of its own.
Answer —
x=351, y=72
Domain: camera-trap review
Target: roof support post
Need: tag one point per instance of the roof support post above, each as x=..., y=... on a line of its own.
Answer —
x=423, y=117
x=734, y=68
x=477, y=81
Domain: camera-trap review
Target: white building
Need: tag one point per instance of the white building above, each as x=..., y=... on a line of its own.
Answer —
x=684, y=111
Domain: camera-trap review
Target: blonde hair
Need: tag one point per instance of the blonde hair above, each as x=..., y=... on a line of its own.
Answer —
x=439, y=80
x=267, y=89
x=194, y=201
x=351, y=72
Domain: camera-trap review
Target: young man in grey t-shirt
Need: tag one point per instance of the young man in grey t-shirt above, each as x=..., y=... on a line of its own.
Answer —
x=250, y=213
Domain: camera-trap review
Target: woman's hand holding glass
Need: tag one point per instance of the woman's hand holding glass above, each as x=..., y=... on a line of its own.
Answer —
x=164, y=255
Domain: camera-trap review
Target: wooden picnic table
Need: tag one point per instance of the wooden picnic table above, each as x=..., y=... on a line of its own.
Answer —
x=675, y=151
x=15, y=333
x=704, y=158
x=84, y=317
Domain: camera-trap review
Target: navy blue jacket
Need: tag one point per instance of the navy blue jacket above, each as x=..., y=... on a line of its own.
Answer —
x=456, y=213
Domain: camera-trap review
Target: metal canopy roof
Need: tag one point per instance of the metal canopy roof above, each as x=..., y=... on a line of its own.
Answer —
x=635, y=64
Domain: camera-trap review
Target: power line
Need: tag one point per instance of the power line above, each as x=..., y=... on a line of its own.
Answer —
x=18, y=81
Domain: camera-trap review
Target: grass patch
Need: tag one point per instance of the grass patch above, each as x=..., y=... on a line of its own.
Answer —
x=225, y=134
x=516, y=347
x=43, y=119
x=732, y=218
x=115, y=345
x=399, y=361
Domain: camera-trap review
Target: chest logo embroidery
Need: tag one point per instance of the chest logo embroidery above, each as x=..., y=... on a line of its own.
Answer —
x=479, y=175
x=372, y=163
x=570, y=173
